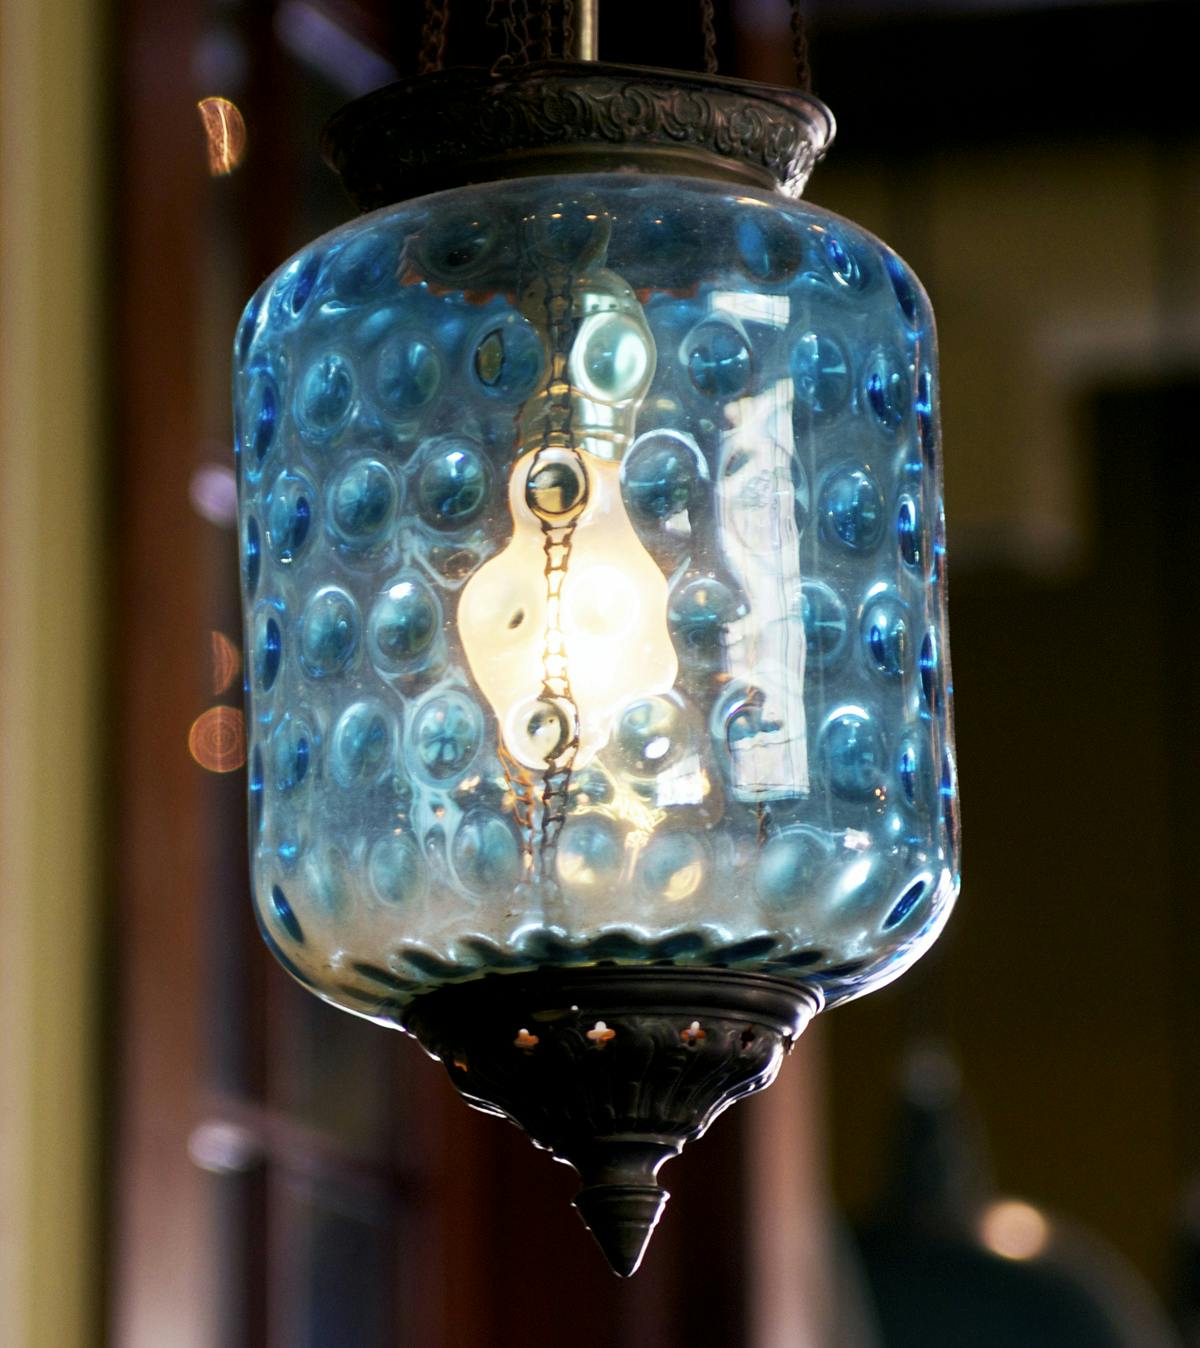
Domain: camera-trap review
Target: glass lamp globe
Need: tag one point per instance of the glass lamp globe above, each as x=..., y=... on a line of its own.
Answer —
x=592, y=554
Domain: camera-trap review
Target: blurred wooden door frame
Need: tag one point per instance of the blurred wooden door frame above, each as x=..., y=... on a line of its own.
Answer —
x=161, y=1207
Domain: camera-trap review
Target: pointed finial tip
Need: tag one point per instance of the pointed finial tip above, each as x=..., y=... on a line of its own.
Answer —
x=622, y=1217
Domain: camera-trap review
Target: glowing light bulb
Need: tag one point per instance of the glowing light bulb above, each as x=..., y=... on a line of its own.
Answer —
x=568, y=625
x=602, y=636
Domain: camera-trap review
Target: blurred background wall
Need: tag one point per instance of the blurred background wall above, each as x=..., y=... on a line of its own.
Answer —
x=193, y=1152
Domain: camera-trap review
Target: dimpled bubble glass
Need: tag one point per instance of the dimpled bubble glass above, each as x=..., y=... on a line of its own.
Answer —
x=592, y=554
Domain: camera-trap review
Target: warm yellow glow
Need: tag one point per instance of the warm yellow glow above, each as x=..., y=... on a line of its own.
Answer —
x=603, y=633
x=1014, y=1230
x=604, y=603
x=684, y=882
x=626, y=807
x=225, y=131
x=574, y=870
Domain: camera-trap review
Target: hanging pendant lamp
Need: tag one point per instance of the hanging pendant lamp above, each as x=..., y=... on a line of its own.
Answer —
x=592, y=555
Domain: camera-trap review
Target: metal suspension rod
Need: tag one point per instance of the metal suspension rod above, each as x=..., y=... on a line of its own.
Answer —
x=585, y=33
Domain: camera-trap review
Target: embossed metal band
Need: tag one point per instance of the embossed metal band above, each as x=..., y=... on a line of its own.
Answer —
x=437, y=131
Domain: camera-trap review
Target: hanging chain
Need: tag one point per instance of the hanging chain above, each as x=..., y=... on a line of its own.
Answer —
x=522, y=13
x=432, y=53
x=557, y=541
x=524, y=806
x=546, y=20
x=709, y=24
x=528, y=29
x=800, y=47
x=539, y=797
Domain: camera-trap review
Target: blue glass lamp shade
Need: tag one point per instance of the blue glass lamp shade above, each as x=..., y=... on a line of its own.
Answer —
x=594, y=591
x=594, y=588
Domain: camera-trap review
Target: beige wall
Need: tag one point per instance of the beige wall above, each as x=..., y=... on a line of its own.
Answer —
x=50, y=662
x=1041, y=265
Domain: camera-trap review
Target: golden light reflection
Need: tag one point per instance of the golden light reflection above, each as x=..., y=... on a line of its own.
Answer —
x=226, y=663
x=684, y=882
x=574, y=870
x=225, y=131
x=627, y=808
x=1014, y=1230
x=217, y=739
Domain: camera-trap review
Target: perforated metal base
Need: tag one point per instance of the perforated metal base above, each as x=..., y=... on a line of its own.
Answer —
x=613, y=1069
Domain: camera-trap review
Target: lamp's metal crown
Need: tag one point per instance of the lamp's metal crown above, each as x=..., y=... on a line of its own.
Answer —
x=438, y=131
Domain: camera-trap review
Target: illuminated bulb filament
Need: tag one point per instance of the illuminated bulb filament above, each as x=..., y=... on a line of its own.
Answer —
x=599, y=627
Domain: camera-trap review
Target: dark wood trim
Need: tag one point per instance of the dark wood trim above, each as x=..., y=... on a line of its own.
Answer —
x=161, y=1207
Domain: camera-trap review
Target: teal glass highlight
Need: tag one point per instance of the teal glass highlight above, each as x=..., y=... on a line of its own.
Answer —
x=593, y=571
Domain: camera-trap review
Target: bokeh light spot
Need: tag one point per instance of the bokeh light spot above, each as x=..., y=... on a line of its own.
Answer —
x=213, y=494
x=217, y=739
x=225, y=131
x=1014, y=1230
x=226, y=662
